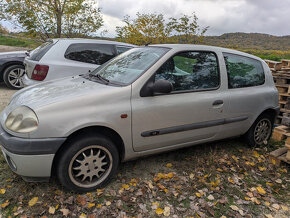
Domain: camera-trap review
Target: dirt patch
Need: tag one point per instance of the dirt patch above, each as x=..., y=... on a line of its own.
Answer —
x=5, y=48
x=5, y=95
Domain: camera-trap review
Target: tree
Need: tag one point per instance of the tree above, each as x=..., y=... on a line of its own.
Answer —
x=186, y=29
x=146, y=28
x=152, y=28
x=54, y=18
x=3, y=30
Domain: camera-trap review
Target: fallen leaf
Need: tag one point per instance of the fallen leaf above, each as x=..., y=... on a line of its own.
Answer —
x=81, y=200
x=198, y=194
x=170, y=175
x=91, y=205
x=166, y=211
x=256, y=154
x=191, y=176
x=276, y=206
x=210, y=197
x=231, y=180
x=250, y=163
x=250, y=194
x=235, y=158
x=83, y=215
x=268, y=215
x=125, y=186
x=159, y=211
x=169, y=165
x=262, y=168
x=33, y=201
x=51, y=210
x=279, y=181
x=261, y=190
x=64, y=211
x=234, y=207
x=285, y=208
x=5, y=204
x=108, y=203
x=2, y=191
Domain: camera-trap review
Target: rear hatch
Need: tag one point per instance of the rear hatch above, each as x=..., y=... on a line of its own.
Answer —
x=35, y=56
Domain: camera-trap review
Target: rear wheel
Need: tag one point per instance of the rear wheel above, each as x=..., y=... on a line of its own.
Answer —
x=261, y=131
x=88, y=163
x=12, y=76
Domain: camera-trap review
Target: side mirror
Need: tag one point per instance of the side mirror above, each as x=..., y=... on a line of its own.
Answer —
x=162, y=86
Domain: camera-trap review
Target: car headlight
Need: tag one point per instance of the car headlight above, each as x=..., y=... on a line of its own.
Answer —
x=22, y=120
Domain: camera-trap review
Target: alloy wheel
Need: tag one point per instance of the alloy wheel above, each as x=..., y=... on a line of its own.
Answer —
x=90, y=166
x=14, y=77
x=262, y=131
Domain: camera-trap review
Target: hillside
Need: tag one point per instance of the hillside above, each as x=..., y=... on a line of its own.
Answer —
x=250, y=41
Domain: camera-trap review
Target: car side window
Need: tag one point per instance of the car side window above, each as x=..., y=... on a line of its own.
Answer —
x=243, y=71
x=189, y=71
x=122, y=49
x=90, y=53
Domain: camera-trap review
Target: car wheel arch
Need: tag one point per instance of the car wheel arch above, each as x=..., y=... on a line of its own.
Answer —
x=9, y=64
x=271, y=111
x=89, y=131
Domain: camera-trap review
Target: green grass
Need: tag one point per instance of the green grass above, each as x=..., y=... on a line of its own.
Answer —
x=275, y=55
x=18, y=42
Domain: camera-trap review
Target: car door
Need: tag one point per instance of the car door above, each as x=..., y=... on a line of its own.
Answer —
x=192, y=112
x=248, y=92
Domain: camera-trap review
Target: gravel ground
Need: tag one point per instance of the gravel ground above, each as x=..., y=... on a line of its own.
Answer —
x=5, y=95
x=5, y=48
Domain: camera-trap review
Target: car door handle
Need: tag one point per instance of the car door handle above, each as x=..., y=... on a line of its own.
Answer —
x=217, y=102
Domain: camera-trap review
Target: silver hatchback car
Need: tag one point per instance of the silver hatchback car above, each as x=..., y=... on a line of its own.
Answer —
x=145, y=101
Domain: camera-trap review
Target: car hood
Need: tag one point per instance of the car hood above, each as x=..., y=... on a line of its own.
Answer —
x=61, y=90
x=12, y=54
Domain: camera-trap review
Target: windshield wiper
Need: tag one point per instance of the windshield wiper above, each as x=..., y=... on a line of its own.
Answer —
x=98, y=76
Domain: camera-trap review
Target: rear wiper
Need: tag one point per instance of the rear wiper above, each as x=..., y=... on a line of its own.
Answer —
x=99, y=77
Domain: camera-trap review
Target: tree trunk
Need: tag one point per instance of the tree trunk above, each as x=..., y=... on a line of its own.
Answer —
x=58, y=24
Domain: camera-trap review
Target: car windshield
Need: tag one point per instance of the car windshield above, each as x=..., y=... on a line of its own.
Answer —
x=128, y=66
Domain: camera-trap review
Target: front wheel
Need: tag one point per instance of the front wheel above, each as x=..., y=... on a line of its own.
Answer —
x=88, y=163
x=261, y=131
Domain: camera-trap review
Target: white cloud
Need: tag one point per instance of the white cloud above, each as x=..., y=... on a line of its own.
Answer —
x=265, y=16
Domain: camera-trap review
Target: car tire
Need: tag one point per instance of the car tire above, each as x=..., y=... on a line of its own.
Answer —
x=261, y=131
x=87, y=163
x=12, y=75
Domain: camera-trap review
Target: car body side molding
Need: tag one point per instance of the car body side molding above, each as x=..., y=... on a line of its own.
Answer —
x=192, y=126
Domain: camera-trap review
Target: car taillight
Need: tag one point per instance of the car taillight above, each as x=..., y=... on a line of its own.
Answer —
x=39, y=72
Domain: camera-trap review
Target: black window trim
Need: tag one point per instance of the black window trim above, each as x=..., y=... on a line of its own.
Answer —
x=223, y=53
x=152, y=78
x=114, y=49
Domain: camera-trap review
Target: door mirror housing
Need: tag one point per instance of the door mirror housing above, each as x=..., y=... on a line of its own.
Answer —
x=162, y=86
x=159, y=87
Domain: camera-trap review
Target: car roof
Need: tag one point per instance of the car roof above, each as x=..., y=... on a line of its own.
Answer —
x=100, y=41
x=205, y=48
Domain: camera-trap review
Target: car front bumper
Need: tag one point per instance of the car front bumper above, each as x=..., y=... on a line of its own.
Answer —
x=29, y=157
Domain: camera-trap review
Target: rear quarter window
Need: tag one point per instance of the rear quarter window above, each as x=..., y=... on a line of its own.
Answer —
x=41, y=51
x=90, y=53
x=243, y=71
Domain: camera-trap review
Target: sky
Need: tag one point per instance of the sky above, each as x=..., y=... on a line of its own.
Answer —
x=222, y=16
